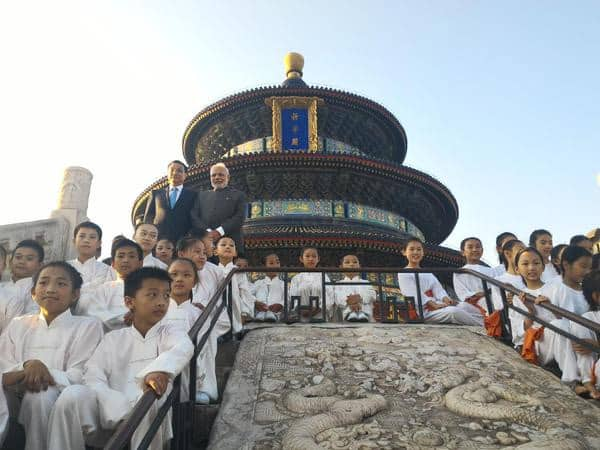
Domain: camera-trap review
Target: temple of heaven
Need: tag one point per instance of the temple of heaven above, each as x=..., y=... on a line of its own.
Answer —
x=320, y=167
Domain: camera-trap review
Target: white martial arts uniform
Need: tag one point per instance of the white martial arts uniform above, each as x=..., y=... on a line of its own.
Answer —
x=242, y=298
x=64, y=346
x=21, y=291
x=588, y=364
x=551, y=346
x=498, y=270
x=210, y=276
x=151, y=261
x=92, y=271
x=106, y=302
x=432, y=290
x=10, y=307
x=507, y=278
x=549, y=275
x=113, y=382
x=365, y=290
x=308, y=284
x=466, y=285
x=269, y=291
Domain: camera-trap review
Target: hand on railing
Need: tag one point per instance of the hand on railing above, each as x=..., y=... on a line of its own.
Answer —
x=157, y=381
x=584, y=350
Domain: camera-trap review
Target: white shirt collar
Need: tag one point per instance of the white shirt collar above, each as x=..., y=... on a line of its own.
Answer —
x=62, y=317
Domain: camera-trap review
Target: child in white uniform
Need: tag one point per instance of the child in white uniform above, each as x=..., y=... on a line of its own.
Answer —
x=541, y=240
x=510, y=250
x=268, y=292
x=308, y=284
x=539, y=345
x=437, y=305
x=41, y=355
x=106, y=302
x=502, y=239
x=356, y=299
x=147, y=355
x=146, y=235
x=87, y=239
x=587, y=361
x=165, y=250
x=242, y=298
x=25, y=260
x=467, y=287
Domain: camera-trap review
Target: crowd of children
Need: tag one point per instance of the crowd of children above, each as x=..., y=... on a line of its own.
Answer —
x=61, y=323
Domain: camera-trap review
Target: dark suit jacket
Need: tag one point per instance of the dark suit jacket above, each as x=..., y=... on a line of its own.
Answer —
x=223, y=208
x=172, y=223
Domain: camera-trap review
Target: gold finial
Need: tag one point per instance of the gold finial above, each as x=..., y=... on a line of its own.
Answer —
x=294, y=63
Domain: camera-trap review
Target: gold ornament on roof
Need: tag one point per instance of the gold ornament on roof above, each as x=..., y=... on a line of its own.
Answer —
x=294, y=63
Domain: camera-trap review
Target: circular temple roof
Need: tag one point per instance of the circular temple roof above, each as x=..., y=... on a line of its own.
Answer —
x=243, y=117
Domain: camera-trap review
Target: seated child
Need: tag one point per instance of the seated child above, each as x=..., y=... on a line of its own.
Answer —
x=146, y=235
x=106, y=301
x=468, y=288
x=147, y=355
x=183, y=313
x=165, y=250
x=356, y=300
x=242, y=298
x=438, y=307
x=539, y=345
x=587, y=362
x=502, y=239
x=269, y=292
x=26, y=259
x=10, y=306
x=87, y=239
x=308, y=284
x=510, y=249
x=42, y=354
x=541, y=240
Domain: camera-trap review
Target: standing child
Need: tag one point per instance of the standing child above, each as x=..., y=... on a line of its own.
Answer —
x=556, y=256
x=467, y=287
x=165, y=250
x=242, y=298
x=437, y=305
x=356, y=299
x=539, y=345
x=87, y=238
x=10, y=305
x=502, y=239
x=541, y=240
x=106, y=302
x=146, y=235
x=308, y=284
x=42, y=354
x=147, y=355
x=183, y=313
x=269, y=292
x=587, y=361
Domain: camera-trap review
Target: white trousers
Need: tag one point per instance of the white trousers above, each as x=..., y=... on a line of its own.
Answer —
x=32, y=410
x=585, y=363
x=553, y=346
x=75, y=422
x=462, y=314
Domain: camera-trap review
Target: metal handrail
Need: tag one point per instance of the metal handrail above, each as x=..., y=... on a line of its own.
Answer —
x=123, y=434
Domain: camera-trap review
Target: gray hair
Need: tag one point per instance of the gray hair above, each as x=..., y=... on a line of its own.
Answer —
x=220, y=164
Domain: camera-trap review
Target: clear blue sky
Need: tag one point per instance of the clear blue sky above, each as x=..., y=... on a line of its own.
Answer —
x=500, y=100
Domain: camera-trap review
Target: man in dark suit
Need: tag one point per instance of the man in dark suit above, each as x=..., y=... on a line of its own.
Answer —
x=169, y=208
x=221, y=211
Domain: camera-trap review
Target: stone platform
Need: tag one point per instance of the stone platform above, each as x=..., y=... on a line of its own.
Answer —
x=394, y=387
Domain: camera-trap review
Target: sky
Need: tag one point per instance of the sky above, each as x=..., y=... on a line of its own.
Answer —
x=499, y=100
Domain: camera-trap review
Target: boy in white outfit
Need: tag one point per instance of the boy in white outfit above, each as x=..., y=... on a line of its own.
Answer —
x=357, y=300
x=43, y=354
x=146, y=235
x=106, y=301
x=87, y=239
x=269, y=292
x=147, y=355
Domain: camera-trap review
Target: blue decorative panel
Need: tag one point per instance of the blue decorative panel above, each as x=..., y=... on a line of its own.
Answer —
x=294, y=128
